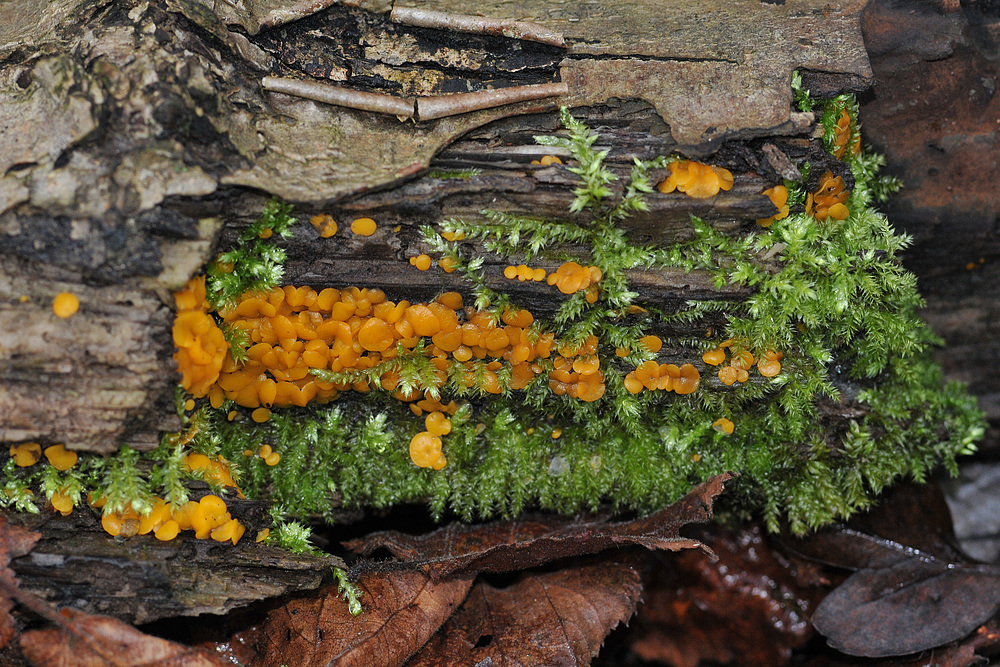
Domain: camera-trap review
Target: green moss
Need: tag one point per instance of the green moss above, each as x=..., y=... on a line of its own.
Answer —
x=255, y=265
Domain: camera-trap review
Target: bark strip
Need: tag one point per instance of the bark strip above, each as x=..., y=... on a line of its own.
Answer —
x=480, y=25
x=341, y=97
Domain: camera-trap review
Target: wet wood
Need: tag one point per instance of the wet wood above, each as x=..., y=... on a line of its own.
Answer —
x=76, y=564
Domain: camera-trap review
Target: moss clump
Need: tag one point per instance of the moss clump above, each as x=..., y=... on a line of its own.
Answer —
x=858, y=402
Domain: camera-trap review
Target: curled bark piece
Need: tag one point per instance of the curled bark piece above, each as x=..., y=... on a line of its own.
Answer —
x=341, y=97
x=440, y=106
x=481, y=25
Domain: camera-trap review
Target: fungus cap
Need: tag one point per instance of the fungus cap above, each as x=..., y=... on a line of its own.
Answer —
x=65, y=304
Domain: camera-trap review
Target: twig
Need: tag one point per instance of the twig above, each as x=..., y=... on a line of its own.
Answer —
x=480, y=25
x=341, y=97
x=440, y=106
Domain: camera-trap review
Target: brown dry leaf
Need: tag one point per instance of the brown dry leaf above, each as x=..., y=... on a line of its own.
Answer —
x=401, y=611
x=14, y=541
x=504, y=546
x=556, y=618
x=84, y=640
x=912, y=589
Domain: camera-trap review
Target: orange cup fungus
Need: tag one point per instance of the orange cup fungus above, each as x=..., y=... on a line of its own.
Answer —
x=61, y=458
x=425, y=451
x=213, y=471
x=547, y=160
x=325, y=225
x=829, y=200
x=696, y=180
x=571, y=277
x=723, y=426
x=65, y=304
x=26, y=454
x=779, y=197
x=422, y=262
x=523, y=272
x=61, y=502
x=363, y=227
x=201, y=346
x=208, y=518
x=842, y=135
x=663, y=377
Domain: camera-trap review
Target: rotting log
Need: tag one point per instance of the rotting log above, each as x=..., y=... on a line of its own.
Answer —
x=159, y=144
x=77, y=565
x=130, y=131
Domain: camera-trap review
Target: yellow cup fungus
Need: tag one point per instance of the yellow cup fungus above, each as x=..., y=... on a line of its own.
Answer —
x=723, y=425
x=201, y=346
x=66, y=304
x=842, y=135
x=829, y=201
x=425, y=451
x=62, y=503
x=523, y=272
x=571, y=277
x=547, y=160
x=696, y=180
x=208, y=517
x=779, y=197
x=363, y=227
x=61, y=458
x=26, y=454
x=325, y=225
x=422, y=262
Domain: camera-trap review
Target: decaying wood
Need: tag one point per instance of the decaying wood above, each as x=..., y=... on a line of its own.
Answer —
x=129, y=131
x=76, y=564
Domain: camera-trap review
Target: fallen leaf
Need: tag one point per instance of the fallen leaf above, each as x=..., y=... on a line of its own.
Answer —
x=749, y=605
x=907, y=596
x=915, y=604
x=14, y=541
x=401, y=612
x=554, y=618
x=85, y=640
x=504, y=546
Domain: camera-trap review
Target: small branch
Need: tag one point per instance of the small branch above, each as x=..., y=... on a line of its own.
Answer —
x=341, y=97
x=480, y=25
x=440, y=106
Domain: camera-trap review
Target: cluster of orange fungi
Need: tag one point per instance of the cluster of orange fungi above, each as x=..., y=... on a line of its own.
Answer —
x=425, y=447
x=208, y=517
x=294, y=330
x=740, y=363
x=695, y=179
x=547, y=160
x=29, y=453
x=842, y=135
x=201, y=346
x=829, y=200
x=325, y=225
x=779, y=197
x=663, y=377
x=569, y=278
x=576, y=372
